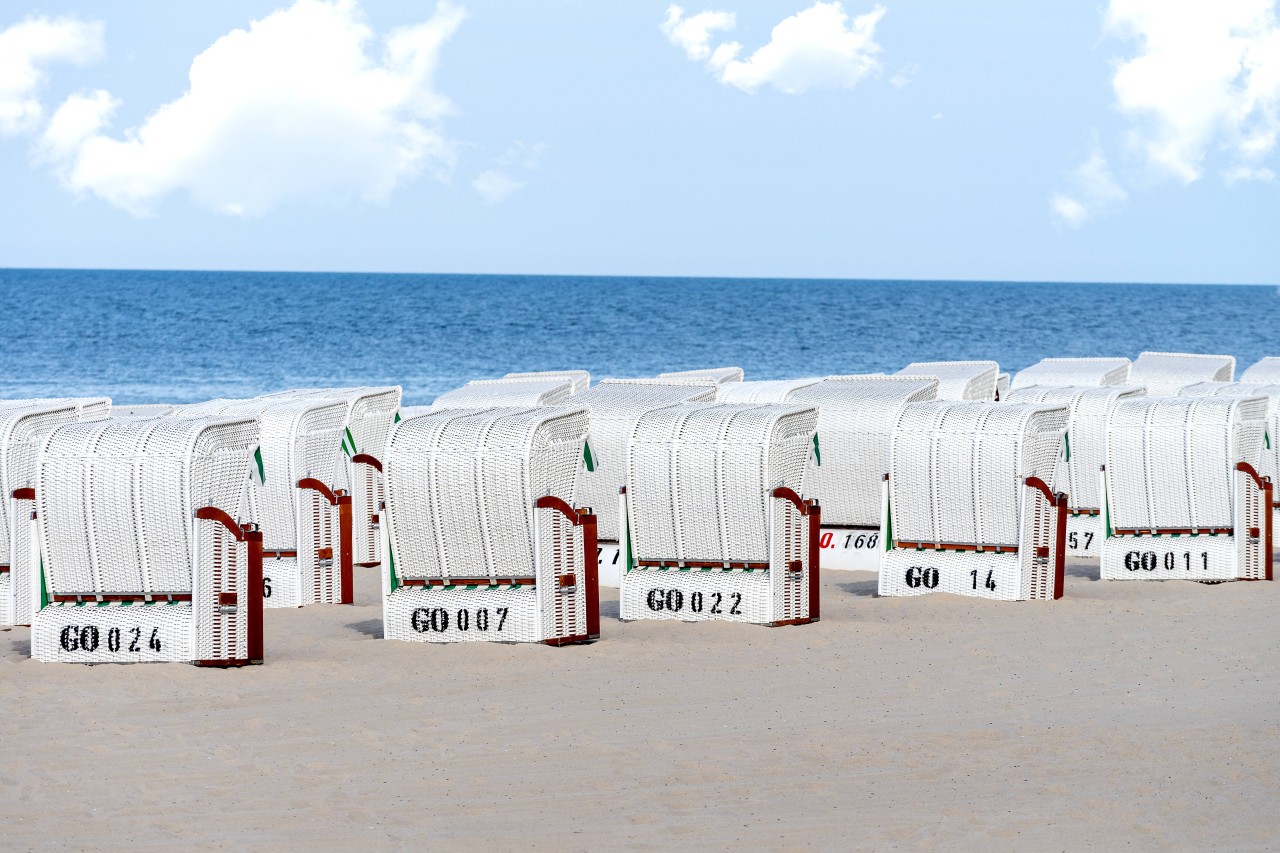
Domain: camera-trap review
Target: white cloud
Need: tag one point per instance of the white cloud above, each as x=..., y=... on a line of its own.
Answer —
x=1094, y=191
x=817, y=48
x=304, y=105
x=25, y=49
x=1205, y=78
x=522, y=154
x=495, y=185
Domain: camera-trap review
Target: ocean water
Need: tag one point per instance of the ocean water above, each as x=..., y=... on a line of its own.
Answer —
x=180, y=337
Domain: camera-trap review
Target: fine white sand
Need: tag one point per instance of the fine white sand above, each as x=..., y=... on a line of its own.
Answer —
x=1127, y=715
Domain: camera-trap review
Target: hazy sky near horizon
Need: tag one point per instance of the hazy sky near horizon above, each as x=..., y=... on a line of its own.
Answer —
x=1128, y=140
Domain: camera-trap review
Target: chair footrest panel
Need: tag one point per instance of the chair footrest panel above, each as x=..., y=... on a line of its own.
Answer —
x=457, y=614
x=1190, y=557
x=113, y=633
x=906, y=571
x=697, y=595
x=850, y=548
x=1084, y=537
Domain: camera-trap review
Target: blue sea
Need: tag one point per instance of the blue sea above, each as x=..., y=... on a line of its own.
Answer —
x=155, y=336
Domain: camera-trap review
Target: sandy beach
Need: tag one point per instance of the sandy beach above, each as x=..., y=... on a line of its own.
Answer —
x=1126, y=715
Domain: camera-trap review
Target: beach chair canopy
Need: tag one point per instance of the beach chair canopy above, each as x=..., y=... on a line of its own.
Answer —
x=1265, y=370
x=700, y=477
x=959, y=469
x=1085, y=443
x=856, y=415
x=144, y=410
x=1269, y=461
x=615, y=405
x=461, y=486
x=762, y=390
x=1164, y=374
x=959, y=380
x=581, y=379
x=370, y=412
x=1073, y=373
x=719, y=374
x=519, y=393
x=116, y=499
x=1171, y=460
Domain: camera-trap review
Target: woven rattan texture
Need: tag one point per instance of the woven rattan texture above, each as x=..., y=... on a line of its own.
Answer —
x=856, y=416
x=462, y=614
x=461, y=485
x=1200, y=557
x=959, y=380
x=116, y=633
x=1163, y=374
x=1265, y=370
x=762, y=390
x=581, y=379
x=958, y=469
x=1086, y=435
x=1269, y=461
x=719, y=374
x=482, y=393
x=615, y=406
x=699, y=478
x=1170, y=461
x=698, y=595
x=1073, y=372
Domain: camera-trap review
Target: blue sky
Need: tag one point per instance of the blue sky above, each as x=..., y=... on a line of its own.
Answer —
x=1129, y=140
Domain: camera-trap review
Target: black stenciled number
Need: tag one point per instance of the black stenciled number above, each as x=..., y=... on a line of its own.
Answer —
x=502, y=617
x=154, y=642
x=69, y=639
x=737, y=599
x=695, y=602
x=715, y=605
x=464, y=620
x=1169, y=561
x=1204, y=555
x=89, y=638
x=1072, y=541
x=113, y=640
x=991, y=580
x=482, y=619
x=137, y=635
x=266, y=587
x=1088, y=539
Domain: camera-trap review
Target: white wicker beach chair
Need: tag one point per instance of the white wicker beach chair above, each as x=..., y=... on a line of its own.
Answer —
x=1182, y=497
x=305, y=517
x=721, y=375
x=1084, y=451
x=1072, y=373
x=23, y=427
x=968, y=507
x=581, y=379
x=1002, y=386
x=370, y=413
x=1163, y=374
x=762, y=390
x=490, y=393
x=1265, y=370
x=959, y=380
x=482, y=543
x=144, y=410
x=1269, y=462
x=715, y=523
x=140, y=553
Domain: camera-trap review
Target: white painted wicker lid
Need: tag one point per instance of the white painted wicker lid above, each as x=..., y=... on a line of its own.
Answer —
x=959, y=380
x=1164, y=373
x=719, y=374
x=481, y=393
x=1074, y=372
x=762, y=390
x=1265, y=370
x=580, y=379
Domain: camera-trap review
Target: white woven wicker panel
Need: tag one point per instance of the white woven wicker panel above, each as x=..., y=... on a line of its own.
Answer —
x=116, y=498
x=370, y=413
x=762, y=390
x=698, y=477
x=719, y=374
x=697, y=595
x=282, y=582
x=1163, y=374
x=1086, y=435
x=1265, y=370
x=912, y=572
x=480, y=393
x=959, y=380
x=855, y=425
x=1170, y=558
x=7, y=601
x=1073, y=372
x=1002, y=386
x=23, y=427
x=148, y=410
x=114, y=633
x=1084, y=536
x=1170, y=460
x=615, y=405
x=1269, y=461
x=958, y=468
x=580, y=379
x=437, y=615
x=461, y=485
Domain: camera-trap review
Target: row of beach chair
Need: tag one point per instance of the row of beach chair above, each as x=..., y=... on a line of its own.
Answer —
x=159, y=533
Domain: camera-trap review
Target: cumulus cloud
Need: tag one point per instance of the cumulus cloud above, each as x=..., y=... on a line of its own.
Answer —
x=495, y=185
x=1094, y=191
x=304, y=105
x=1205, y=78
x=820, y=47
x=26, y=48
